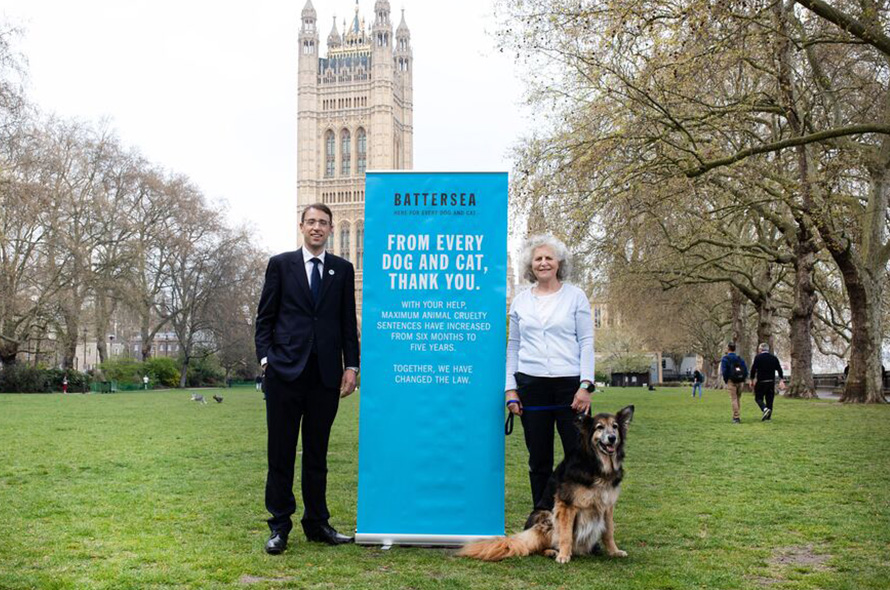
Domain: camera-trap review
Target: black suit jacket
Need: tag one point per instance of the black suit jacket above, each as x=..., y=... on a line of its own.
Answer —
x=288, y=321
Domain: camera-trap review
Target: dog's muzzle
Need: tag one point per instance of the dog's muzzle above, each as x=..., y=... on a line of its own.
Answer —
x=608, y=444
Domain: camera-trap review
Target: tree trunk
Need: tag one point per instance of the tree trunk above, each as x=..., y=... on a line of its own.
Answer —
x=713, y=378
x=146, y=348
x=864, y=278
x=864, y=383
x=765, y=312
x=802, y=384
x=8, y=353
x=183, y=373
x=147, y=337
x=739, y=332
x=105, y=307
x=69, y=341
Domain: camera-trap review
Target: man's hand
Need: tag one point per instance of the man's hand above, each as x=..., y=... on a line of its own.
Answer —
x=347, y=384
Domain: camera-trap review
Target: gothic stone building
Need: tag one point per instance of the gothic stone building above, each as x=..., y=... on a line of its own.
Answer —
x=355, y=113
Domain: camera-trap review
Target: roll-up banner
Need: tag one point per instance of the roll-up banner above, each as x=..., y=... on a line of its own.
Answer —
x=431, y=438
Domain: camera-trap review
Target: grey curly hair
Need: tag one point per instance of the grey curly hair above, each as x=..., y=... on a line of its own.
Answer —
x=559, y=250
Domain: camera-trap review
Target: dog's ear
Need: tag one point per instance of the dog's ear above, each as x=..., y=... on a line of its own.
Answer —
x=583, y=421
x=625, y=415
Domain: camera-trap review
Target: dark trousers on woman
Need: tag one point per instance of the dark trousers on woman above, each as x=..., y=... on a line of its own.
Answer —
x=289, y=404
x=553, y=396
x=764, y=393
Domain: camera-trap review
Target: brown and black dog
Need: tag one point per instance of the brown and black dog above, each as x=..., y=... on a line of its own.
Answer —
x=587, y=484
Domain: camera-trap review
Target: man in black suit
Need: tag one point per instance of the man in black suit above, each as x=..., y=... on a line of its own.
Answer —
x=306, y=333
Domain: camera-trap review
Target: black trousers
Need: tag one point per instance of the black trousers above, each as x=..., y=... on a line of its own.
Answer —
x=288, y=405
x=764, y=394
x=538, y=427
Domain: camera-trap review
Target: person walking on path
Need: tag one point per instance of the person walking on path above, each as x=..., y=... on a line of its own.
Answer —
x=763, y=380
x=697, y=381
x=734, y=372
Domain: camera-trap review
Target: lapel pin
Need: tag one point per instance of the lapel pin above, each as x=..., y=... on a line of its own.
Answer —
x=331, y=272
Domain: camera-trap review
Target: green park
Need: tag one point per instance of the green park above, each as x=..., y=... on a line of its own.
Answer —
x=215, y=217
x=149, y=490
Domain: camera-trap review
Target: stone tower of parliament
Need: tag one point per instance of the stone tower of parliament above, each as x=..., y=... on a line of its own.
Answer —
x=355, y=113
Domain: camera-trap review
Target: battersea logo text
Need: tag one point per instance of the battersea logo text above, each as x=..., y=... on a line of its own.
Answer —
x=434, y=199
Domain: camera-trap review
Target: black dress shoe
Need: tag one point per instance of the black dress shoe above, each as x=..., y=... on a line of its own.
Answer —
x=326, y=534
x=276, y=544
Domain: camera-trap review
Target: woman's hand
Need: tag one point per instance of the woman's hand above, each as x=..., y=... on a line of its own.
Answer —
x=581, y=403
x=513, y=403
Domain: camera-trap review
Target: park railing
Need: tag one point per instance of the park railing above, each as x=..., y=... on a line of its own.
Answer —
x=835, y=382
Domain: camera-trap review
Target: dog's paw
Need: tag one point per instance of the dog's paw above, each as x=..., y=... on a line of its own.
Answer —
x=618, y=553
x=549, y=552
x=563, y=558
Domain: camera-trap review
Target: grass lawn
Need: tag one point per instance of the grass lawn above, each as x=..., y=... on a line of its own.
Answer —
x=149, y=490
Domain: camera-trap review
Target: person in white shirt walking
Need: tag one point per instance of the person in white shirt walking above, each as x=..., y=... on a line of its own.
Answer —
x=549, y=358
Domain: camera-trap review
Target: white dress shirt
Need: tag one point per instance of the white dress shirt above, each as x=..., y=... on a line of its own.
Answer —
x=307, y=261
x=550, y=335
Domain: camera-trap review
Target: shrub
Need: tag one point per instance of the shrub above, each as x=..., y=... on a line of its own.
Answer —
x=122, y=370
x=205, y=371
x=162, y=371
x=24, y=379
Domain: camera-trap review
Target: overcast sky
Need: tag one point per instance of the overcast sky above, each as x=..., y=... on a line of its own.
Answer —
x=209, y=89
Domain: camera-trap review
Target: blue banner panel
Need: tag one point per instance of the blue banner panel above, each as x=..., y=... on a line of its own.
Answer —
x=431, y=442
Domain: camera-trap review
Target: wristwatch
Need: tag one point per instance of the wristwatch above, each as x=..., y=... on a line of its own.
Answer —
x=588, y=386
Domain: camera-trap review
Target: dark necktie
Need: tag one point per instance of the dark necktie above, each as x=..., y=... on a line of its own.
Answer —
x=315, y=281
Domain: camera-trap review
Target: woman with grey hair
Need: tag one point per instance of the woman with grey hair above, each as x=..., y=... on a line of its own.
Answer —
x=549, y=358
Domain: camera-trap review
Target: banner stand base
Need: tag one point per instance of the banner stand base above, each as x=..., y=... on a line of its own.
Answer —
x=388, y=540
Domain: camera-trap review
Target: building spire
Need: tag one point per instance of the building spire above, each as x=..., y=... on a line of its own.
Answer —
x=355, y=24
x=402, y=31
x=334, y=37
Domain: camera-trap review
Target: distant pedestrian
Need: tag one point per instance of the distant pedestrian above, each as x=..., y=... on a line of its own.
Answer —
x=259, y=382
x=145, y=382
x=734, y=372
x=697, y=381
x=763, y=379
x=65, y=384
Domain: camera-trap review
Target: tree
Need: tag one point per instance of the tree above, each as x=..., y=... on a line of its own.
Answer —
x=199, y=253
x=232, y=307
x=754, y=106
x=622, y=351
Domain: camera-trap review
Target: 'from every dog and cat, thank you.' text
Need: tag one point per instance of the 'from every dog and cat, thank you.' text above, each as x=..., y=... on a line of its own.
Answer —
x=420, y=262
x=437, y=264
